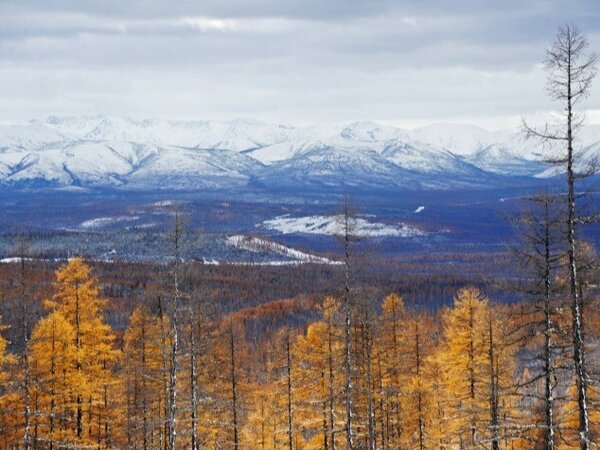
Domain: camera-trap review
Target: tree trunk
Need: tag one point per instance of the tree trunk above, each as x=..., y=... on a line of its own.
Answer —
x=234, y=392
x=578, y=342
x=289, y=395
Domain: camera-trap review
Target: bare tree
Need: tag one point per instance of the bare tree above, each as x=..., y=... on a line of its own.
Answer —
x=288, y=371
x=234, y=399
x=193, y=381
x=25, y=313
x=571, y=70
x=494, y=395
x=348, y=236
x=176, y=236
x=164, y=337
x=329, y=314
x=546, y=261
x=540, y=253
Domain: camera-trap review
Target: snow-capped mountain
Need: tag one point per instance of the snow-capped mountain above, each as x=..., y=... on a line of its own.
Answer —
x=177, y=154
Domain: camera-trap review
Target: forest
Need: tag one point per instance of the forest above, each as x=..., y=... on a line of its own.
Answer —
x=176, y=355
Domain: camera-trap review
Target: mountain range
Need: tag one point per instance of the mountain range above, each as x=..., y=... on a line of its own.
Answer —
x=144, y=154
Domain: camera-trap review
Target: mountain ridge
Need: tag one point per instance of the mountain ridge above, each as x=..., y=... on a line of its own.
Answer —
x=97, y=151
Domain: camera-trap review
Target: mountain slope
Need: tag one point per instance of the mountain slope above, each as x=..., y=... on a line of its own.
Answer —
x=158, y=153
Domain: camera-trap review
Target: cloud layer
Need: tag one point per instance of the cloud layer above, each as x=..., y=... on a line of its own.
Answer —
x=299, y=61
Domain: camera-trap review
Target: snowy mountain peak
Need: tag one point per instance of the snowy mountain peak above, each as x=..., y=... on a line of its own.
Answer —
x=370, y=131
x=150, y=153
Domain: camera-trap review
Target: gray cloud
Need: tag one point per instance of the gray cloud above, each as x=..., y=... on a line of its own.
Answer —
x=292, y=61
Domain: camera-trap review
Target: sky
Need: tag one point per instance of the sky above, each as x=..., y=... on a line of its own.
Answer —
x=402, y=62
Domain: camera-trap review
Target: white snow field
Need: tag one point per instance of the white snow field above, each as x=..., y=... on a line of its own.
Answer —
x=259, y=245
x=333, y=226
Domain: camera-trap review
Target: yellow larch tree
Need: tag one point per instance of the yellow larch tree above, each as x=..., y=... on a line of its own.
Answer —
x=142, y=377
x=417, y=401
x=258, y=431
x=53, y=356
x=463, y=356
x=10, y=406
x=438, y=435
x=318, y=388
x=479, y=373
x=390, y=365
x=569, y=412
x=77, y=299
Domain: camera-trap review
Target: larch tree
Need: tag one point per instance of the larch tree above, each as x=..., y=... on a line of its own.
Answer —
x=20, y=309
x=312, y=392
x=176, y=236
x=464, y=356
x=539, y=323
x=289, y=394
x=347, y=235
x=54, y=378
x=364, y=332
x=478, y=359
x=5, y=397
x=502, y=394
x=234, y=388
x=331, y=311
x=25, y=324
x=260, y=430
x=571, y=70
x=392, y=362
x=417, y=397
x=569, y=410
x=142, y=364
x=319, y=373
x=198, y=336
x=440, y=412
x=77, y=299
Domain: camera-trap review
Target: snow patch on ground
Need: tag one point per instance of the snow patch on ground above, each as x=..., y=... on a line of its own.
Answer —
x=333, y=226
x=14, y=259
x=164, y=203
x=100, y=222
x=258, y=245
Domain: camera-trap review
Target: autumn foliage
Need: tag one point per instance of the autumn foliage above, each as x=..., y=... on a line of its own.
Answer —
x=455, y=378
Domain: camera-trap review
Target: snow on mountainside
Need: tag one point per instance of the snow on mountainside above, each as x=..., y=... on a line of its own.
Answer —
x=332, y=166
x=503, y=160
x=28, y=136
x=185, y=168
x=459, y=139
x=158, y=153
x=425, y=158
x=237, y=135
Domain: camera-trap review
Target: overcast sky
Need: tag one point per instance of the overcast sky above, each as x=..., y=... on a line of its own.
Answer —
x=406, y=62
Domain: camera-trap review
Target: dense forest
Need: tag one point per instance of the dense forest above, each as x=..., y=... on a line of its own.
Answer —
x=183, y=373
x=180, y=356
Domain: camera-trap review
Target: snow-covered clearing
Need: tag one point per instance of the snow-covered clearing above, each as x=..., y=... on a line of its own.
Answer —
x=100, y=222
x=258, y=245
x=333, y=225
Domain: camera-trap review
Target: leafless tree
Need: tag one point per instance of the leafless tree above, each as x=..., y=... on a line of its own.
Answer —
x=347, y=233
x=234, y=387
x=24, y=305
x=176, y=241
x=288, y=371
x=540, y=253
x=571, y=70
